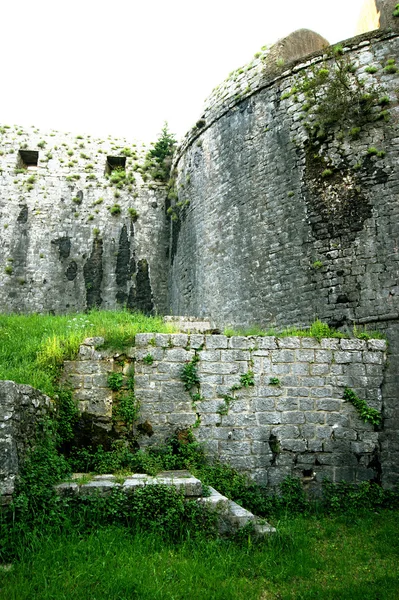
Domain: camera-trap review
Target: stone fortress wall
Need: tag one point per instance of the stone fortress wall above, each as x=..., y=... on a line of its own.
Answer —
x=64, y=247
x=275, y=224
x=264, y=237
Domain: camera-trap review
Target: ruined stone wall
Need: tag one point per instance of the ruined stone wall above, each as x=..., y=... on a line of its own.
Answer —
x=290, y=419
x=21, y=408
x=64, y=247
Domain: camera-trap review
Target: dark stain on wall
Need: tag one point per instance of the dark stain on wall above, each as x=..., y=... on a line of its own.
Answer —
x=71, y=271
x=336, y=204
x=93, y=275
x=23, y=215
x=64, y=246
x=140, y=296
x=122, y=272
x=125, y=263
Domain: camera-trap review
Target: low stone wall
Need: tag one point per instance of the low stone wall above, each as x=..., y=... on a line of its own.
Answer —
x=21, y=407
x=271, y=407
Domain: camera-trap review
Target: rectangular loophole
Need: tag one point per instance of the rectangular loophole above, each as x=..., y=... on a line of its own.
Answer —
x=28, y=159
x=115, y=163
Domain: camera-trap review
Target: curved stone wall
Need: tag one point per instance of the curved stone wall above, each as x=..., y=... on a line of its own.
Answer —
x=278, y=223
x=263, y=237
x=69, y=239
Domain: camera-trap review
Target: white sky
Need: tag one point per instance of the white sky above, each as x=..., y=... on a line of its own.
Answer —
x=123, y=68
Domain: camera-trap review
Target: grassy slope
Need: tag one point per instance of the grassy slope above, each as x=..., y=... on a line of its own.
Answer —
x=32, y=347
x=326, y=558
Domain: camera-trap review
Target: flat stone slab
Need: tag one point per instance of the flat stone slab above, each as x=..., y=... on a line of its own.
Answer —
x=183, y=481
x=231, y=516
x=191, y=324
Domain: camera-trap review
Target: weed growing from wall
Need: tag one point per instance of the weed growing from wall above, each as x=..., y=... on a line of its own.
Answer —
x=368, y=414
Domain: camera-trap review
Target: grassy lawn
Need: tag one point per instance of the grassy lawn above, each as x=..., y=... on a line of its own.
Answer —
x=33, y=346
x=310, y=557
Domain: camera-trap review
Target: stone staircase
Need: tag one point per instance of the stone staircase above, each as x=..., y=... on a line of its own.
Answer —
x=231, y=516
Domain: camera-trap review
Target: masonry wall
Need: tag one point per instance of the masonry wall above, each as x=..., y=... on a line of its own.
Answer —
x=21, y=408
x=291, y=421
x=262, y=237
x=63, y=247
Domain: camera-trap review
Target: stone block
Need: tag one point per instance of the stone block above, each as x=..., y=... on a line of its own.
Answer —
x=208, y=379
x=306, y=404
x=241, y=342
x=287, y=403
x=264, y=404
x=232, y=355
x=309, y=343
x=142, y=340
x=220, y=368
x=196, y=341
x=352, y=344
x=319, y=369
x=280, y=369
x=300, y=368
x=288, y=342
x=294, y=445
x=302, y=392
x=179, y=340
x=98, y=487
x=286, y=432
x=293, y=417
x=212, y=356
x=216, y=341
x=269, y=417
x=342, y=357
x=283, y=356
x=329, y=344
x=178, y=355
x=377, y=345
x=172, y=391
x=162, y=340
x=182, y=419
x=269, y=391
x=231, y=448
x=374, y=358
x=323, y=433
x=323, y=356
x=267, y=343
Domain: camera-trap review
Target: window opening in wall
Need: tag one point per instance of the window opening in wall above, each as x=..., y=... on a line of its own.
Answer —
x=115, y=163
x=28, y=159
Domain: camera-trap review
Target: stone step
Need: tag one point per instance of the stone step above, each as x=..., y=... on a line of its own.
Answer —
x=190, y=486
x=232, y=516
x=192, y=324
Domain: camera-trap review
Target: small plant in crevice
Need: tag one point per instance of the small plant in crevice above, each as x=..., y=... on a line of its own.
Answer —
x=318, y=264
x=115, y=381
x=148, y=359
x=368, y=414
x=189, y=374
x=115, y=209
x=274, y=381
x=247, y=379
x=133, y=214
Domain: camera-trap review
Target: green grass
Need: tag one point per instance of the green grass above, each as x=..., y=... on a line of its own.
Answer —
x=327, y=558
x=317, y=329
x=33, y=346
